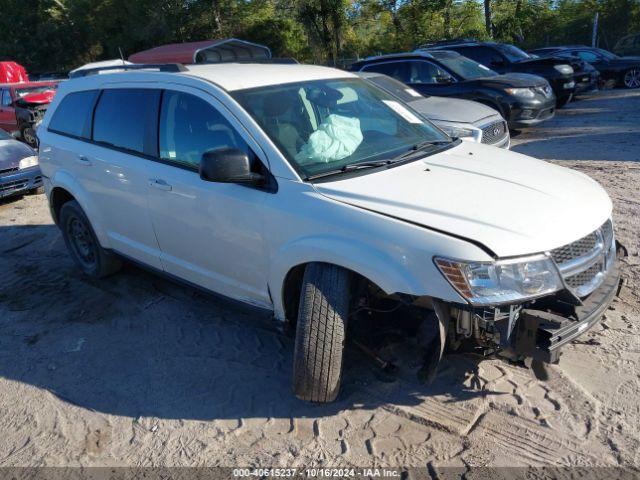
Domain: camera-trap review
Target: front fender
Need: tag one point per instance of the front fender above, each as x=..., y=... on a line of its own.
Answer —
x=377, y=266
x=65, y=180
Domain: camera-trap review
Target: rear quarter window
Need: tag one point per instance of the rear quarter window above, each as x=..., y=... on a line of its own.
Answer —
x=73, y=115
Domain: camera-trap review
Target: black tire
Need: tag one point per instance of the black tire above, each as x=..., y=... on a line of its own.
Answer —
x=320, y=333
x=83, y=245
x=28, y=135
x=564, y=100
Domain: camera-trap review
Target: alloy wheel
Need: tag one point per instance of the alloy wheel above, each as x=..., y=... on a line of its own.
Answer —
x=632, y=78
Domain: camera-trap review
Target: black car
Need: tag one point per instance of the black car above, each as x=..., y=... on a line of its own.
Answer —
x=619, y=71
x=523, y=100
x=505, y=58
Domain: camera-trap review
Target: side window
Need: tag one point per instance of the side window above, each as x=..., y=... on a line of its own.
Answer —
x=425, y=72
x=587, y=56
x=6, y=98
x=73, y=115
x=484, y=55
x=126, y=118
x=397, y=70
x=189, y=127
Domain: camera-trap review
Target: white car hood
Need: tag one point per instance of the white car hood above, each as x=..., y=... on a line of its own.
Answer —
x=510, y=203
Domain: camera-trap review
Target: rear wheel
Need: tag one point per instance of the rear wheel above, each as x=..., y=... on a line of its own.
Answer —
x=631, y=78
x=320, y=334
x=83, y=244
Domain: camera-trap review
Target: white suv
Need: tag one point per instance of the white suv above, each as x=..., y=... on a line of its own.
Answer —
x=309, y=192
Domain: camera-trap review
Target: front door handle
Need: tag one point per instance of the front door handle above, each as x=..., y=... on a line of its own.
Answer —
x=159, y=184
x=82, y=160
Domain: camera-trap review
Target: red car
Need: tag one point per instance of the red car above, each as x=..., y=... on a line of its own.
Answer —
x=22, y=105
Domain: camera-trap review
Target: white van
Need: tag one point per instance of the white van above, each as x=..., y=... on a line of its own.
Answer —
x=311, y=193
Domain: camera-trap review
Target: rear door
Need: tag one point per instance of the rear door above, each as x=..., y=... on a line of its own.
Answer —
x=114, y=168
x=210, y=234
x=7, y=111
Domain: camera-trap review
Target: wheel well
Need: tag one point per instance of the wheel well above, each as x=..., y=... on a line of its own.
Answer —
x=293, y=285
x=59, y=196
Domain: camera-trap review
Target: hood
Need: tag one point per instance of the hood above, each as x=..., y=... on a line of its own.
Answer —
x=510, y=203
x=542, y=61
x=41, y=98
x=12, y=151
x=513, y=80
x=625, y=61
x=452, y=109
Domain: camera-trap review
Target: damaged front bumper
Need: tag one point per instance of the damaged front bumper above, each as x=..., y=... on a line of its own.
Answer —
x=540, y=334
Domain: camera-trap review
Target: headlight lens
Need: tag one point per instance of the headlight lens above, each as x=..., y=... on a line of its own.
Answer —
x=487, y=283
x=521, y=92
x=564, y=69
x=28, y=162
x=458, y=131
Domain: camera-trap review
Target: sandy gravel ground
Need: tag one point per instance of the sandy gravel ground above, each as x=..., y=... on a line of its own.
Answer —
x=135, y=370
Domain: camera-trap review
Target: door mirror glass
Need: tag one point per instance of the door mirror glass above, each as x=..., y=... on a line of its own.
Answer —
x=228, y=165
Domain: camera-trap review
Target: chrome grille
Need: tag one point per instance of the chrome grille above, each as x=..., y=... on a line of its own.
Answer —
x=4, y=171
x=494, y=132
x=14, y=185
x=584, y=263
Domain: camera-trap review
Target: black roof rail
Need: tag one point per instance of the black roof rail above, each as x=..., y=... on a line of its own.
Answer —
x=161, y=67
x=454, y=41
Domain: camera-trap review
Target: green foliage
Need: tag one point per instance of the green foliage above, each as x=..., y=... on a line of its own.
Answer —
x=57, y=35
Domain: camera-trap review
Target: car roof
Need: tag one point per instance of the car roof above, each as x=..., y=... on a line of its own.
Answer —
x=235, y=76
x=47, y=83
x=420, y=53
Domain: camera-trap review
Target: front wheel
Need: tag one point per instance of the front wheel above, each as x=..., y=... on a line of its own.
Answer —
x=28, y=134
x=320, y=334
x=631, y=78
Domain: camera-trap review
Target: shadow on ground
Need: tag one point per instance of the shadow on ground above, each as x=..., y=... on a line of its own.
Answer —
x=137, y=345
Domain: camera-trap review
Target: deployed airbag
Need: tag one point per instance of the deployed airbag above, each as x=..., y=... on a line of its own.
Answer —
x=336, y=138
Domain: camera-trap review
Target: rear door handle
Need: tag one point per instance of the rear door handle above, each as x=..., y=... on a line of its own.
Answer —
x=159, y=184
x=82, y=160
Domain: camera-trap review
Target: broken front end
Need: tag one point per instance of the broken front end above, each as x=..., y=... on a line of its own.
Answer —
x=537, y=329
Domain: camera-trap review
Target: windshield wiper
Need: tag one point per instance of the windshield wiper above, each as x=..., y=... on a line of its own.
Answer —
x=419, y=147
x=350, y=167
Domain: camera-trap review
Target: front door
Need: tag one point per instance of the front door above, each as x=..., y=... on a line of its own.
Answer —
x=210, y=234
x=7, y=111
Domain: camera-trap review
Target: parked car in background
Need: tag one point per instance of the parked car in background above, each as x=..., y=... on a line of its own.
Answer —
x=523, y=100
x=614, y=70
x=320, y=198
x=19, y=170
x=505, y=58
x=22, y=106
x=458, y=118
x=629, y=45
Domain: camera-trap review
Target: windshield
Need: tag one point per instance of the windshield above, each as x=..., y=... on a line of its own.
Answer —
x=323, y=125
x=513, y=53
x=22, y=92
x=464, y=67
x=606, y=54
x=5, y=136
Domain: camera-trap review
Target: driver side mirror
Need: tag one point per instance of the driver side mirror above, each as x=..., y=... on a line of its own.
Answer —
x=228, y=165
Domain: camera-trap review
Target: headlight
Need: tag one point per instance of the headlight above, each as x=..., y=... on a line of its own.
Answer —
x=487, y=283
x=459, y=131
x=564, y=69
x=28, y=162
x=521, y=92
